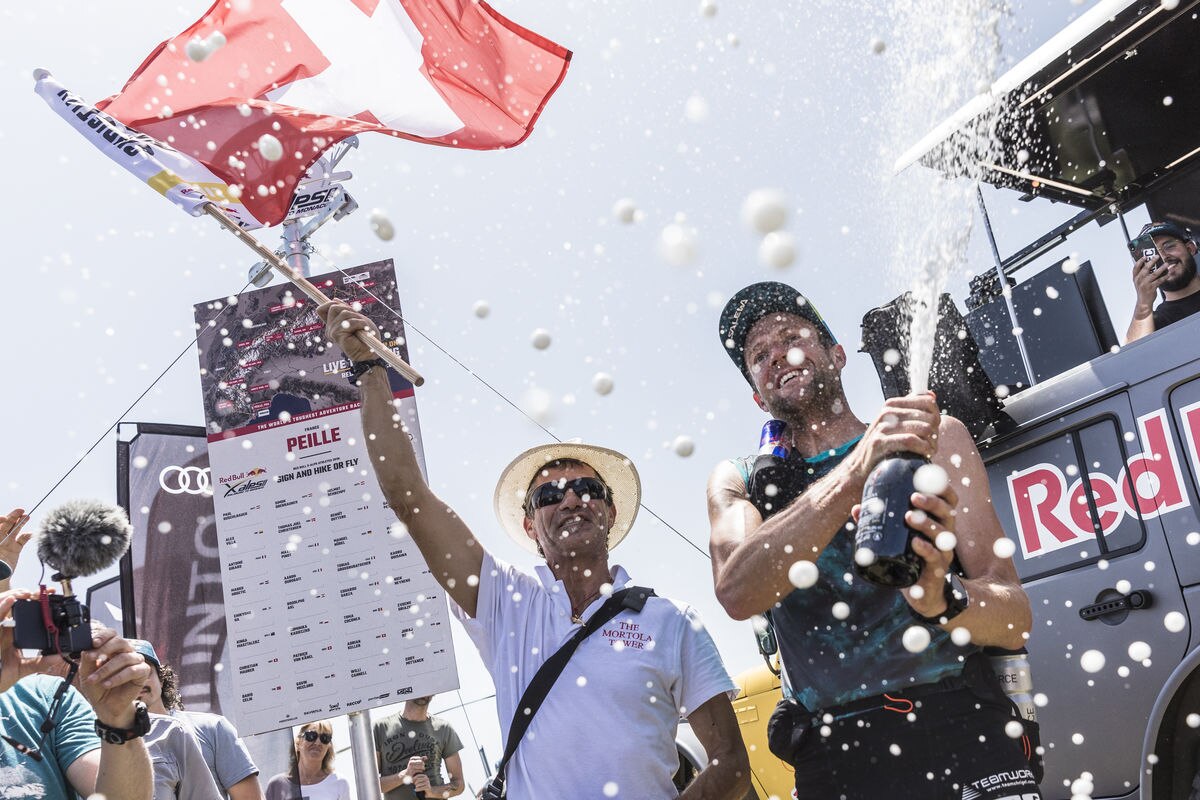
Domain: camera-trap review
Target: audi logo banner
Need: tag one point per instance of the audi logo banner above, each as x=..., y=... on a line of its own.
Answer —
x=172, y=576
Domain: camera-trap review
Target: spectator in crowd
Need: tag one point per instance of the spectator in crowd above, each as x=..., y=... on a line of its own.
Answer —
x=849, y=682
x=224, y=753
x=311, y=775
x=570, y=503
x=1170, y=270
x=410, y=747
x=179, y=769
x=96, y=745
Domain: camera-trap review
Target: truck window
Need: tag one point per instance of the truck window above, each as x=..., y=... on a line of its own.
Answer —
x=1070, y=501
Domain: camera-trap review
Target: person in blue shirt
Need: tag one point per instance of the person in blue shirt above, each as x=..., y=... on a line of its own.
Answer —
x=74, y=757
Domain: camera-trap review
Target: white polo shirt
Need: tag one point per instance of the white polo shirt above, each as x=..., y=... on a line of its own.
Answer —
x=607, y=727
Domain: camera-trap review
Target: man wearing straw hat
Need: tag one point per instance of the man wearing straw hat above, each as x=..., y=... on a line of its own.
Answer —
x=606, y=727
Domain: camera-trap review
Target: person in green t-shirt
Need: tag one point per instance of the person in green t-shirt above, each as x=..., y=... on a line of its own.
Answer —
x=410, y=748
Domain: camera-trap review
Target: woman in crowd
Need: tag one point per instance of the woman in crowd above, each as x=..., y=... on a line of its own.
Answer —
x=311, y=775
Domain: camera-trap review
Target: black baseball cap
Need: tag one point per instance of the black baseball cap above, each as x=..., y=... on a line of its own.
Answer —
x=1166, y=229
x=757, y=301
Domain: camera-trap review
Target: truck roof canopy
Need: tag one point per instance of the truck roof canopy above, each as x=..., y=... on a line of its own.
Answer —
x=1106, y=112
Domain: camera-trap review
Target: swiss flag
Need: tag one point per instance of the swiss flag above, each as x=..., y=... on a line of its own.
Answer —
x=312, y=72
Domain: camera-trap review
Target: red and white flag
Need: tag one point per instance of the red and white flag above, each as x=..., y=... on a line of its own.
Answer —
x=256, y=90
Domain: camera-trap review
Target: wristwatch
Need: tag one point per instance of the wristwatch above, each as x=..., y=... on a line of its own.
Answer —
x=360, y=368
x=957, y=601
x=141, y=726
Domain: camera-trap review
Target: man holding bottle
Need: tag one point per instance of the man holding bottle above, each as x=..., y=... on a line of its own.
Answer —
x=883, y=686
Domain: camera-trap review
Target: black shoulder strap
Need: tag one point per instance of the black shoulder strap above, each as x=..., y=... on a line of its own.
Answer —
x=632, y=598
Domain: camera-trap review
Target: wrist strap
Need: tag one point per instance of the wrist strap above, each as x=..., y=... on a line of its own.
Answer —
x=360, y=368
x=632, y=598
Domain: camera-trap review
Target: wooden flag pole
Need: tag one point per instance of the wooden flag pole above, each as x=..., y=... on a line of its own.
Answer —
x=316, y=295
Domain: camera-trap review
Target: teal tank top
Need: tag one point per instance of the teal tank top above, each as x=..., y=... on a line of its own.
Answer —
x=840, y=639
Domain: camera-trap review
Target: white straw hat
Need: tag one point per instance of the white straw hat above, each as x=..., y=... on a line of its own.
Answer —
x=614, y=469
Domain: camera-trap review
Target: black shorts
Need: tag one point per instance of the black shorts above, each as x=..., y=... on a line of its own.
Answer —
x=949, y=745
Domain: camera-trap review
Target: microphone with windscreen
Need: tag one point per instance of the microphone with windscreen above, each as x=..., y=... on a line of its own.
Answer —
x=79, y=539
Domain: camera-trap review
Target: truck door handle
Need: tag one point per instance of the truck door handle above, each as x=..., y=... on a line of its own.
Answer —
x=1138, y=598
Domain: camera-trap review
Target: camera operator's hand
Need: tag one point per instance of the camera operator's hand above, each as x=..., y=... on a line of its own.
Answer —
x=907, y=424
x=1146, y=280
x=341, y=324
x=13, y=664
x=12, y=538
x=111, y=675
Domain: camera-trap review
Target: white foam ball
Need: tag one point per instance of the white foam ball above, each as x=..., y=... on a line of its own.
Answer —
x=269, y=147
x=1124, y=587
x=891, y=356
x=708, y=8
x=878, y=45
x=696, y=109
x=945, y=541
x=197, y=49
x=1014, y=729
x=625, y=210
x=677, y=245
x=915, y=638
x=1139, y=651
x=1193, y=720
x=540, y=339
x=864, y=556
x=803, y=574
x=1092, y=661
x=930, y=479
x=216, y=40
x=795, y=356
x=765, y=210
x=381, y=225
x=777, y=249
x=602, y=382
x=481, y=308
x=841, y=610
x=960, y=636
x=1004, y=547
x=683, y=446
x=1175, y=622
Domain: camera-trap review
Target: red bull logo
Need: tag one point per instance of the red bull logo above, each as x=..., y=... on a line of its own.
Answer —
x=1052, y=511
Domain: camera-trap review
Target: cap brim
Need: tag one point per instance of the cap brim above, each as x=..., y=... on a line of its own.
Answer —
x=615, y=469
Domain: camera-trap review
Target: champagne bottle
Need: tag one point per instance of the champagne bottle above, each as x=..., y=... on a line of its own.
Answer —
x=883, y=552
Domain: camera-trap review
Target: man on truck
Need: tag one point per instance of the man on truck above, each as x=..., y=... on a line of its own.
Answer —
x=886, y=691
x=1166, y=262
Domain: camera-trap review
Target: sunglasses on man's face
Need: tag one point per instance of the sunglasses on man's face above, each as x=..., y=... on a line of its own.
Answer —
x=312, y=736
x=553, y=492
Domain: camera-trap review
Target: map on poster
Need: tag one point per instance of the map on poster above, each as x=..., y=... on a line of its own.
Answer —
x=330, y=607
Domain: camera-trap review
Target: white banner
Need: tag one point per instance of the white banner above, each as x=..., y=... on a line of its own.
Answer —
x=182, y=180
x=329, y=606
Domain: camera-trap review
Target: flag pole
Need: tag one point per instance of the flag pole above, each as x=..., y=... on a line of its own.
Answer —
x=316, y=295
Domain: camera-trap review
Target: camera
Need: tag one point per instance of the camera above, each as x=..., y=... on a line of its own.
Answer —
x=68, y=615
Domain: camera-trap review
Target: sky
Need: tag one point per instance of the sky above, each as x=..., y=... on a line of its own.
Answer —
x=682, y=112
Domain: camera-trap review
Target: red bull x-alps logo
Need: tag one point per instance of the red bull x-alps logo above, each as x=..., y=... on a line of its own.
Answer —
x=1052, y=513
x=243, y=482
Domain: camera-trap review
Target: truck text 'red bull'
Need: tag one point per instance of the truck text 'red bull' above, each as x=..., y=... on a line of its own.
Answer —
x=1052, y=510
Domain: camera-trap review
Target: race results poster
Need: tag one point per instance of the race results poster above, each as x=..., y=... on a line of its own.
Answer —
x=329, y=606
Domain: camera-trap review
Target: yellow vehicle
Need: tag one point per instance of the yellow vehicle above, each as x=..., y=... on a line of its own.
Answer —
x=772, y=779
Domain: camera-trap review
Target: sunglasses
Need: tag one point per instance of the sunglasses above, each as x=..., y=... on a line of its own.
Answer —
x=553, y=492
x=312, y=736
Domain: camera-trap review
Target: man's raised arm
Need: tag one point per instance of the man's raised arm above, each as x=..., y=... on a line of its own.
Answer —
x=449, y=547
